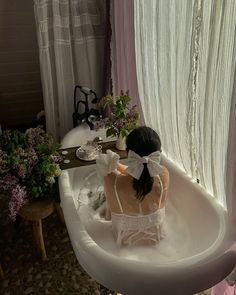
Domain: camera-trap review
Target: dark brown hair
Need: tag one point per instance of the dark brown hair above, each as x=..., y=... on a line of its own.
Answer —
x=143, y=141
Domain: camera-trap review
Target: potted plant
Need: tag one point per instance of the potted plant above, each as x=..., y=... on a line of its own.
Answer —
x=29, y=166
x=120, y=118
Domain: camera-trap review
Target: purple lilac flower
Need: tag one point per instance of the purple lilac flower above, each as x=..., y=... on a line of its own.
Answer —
x=3, y=157
x=122, y=118
x=18, y=199
x=32, y=158
x=20, y=169
x=99, y=124
x=56, y=158
x=6, y=136
x=21, y=152
x=37, y=136
x=119, y=124
x=30, y=151
x=7, y=182
x=131, y=113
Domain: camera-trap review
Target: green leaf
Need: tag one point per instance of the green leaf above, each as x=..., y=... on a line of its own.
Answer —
x=124, y=132
x=109, y=132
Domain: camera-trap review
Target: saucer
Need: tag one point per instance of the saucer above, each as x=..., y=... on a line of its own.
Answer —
x=84, y=156
x=88, y=151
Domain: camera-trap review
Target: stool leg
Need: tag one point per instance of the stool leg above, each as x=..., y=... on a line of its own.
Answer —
x=38, y=236
x=60, y=213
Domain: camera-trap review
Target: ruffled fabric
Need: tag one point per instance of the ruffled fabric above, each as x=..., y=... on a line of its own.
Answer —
x=106, y=163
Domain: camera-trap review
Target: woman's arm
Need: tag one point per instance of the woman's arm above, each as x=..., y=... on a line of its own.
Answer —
x=107, y=180
x=108, y=212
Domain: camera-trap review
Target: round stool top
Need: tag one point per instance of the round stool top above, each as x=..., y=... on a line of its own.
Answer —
x=37, y=209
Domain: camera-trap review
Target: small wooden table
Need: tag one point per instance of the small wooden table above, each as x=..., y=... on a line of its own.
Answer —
x=35, y=211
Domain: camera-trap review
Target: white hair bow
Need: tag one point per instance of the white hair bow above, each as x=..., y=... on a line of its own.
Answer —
x=135, y=164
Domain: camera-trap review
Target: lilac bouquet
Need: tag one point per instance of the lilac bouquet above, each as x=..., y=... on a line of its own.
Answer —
x=29, y=166
x=120, y=118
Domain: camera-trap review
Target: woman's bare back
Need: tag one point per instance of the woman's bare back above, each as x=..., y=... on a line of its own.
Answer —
x=127, y=194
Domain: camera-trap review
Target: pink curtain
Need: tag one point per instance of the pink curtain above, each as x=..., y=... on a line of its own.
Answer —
x=123, y=64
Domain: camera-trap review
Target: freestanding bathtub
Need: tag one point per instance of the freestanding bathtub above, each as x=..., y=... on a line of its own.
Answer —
x=195, y=255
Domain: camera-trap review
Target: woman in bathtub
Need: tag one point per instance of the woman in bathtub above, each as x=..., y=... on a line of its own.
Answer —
x=136, y=194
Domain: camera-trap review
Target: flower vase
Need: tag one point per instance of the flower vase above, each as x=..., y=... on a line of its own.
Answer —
x=120, y=143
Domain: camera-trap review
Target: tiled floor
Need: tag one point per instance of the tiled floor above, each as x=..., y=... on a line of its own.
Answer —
x=26, y=274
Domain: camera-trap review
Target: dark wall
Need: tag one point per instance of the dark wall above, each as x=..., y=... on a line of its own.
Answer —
x=20, y=85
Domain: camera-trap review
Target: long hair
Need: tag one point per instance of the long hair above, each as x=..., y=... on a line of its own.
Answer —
x=143, y=141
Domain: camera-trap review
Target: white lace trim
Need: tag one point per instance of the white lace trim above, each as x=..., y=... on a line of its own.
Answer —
x=131, y=229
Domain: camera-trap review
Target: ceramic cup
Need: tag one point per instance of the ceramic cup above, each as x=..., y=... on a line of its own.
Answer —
x=89, y=152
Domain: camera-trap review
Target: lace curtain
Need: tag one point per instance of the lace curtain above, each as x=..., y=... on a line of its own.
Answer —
x=185, y=59
x=71, y=47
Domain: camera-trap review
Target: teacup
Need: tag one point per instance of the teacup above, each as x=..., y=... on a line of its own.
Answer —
x=88, y=151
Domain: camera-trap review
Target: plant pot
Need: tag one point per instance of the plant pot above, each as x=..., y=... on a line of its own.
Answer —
x=120, y=143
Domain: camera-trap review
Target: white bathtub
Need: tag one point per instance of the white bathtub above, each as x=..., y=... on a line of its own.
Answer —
x=206, y=260
x=81, y=134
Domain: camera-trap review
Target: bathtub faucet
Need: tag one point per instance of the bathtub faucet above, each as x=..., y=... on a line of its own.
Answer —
x=90, y=114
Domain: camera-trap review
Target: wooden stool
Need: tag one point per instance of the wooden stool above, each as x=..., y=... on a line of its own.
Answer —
x=60, y=213
x=35, y=211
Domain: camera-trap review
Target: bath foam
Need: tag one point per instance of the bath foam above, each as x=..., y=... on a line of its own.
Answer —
x=175, y=246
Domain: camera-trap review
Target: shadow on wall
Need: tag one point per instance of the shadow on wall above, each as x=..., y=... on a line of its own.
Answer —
x=40, y=120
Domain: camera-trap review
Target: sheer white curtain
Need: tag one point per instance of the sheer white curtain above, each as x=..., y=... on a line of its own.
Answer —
x=231, y=157
x=185, y=59
x=71, y=46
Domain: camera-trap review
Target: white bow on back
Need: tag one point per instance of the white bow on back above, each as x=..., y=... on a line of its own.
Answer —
x=135, y=164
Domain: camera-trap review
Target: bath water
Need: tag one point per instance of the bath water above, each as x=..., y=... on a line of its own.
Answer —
x=173, y=247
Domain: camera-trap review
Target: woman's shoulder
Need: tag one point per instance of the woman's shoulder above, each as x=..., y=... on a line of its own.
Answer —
x=123, y=179
x=164, y=171
x=110, y=178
